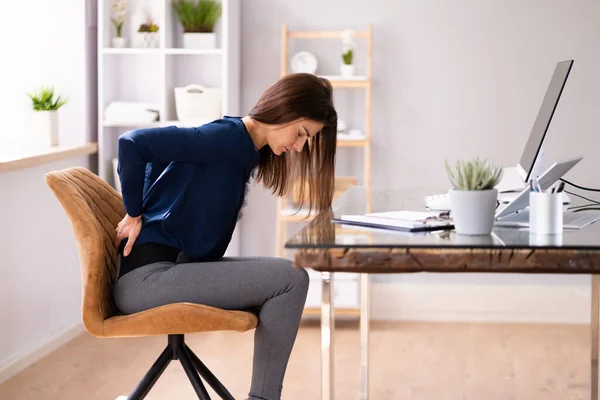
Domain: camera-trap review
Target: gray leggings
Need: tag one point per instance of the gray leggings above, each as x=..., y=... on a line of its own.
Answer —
x=271, y=285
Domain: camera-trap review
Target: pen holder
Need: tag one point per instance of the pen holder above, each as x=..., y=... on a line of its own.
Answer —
x=545, y=213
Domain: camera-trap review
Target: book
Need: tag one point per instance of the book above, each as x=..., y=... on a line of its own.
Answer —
x=412, y=221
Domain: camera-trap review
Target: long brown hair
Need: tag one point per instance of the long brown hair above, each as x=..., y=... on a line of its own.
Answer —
x=292, y=97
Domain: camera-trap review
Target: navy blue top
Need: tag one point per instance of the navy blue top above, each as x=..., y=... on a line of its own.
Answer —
x=188, y=184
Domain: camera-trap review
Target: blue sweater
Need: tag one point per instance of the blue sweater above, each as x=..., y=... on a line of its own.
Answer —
x=187, y=183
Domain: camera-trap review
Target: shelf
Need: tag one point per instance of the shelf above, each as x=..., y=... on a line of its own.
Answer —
x=338, y=78
x=181, y=51
x=325, y=34
x=131, y=51
x=25, y=157
x=358, y=81
x=350, y=312
x=154, y=124
x=350, y=141
x=295, y=215
x=156, y=51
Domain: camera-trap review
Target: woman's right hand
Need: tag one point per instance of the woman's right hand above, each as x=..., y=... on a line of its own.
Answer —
x=130, y=228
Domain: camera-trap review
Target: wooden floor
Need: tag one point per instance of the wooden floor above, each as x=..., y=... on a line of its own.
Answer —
x=424, y=361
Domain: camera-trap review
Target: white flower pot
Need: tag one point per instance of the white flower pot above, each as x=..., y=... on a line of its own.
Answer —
x=347, y=70
x=119, y=42
x=199, y=40
x=473, y=210
x=42, y=129
x=146, y=39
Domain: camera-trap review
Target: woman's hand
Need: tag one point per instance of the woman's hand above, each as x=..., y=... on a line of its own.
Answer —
x=130, y=228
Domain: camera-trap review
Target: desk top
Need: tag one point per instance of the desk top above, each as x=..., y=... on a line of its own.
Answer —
x=325, y=246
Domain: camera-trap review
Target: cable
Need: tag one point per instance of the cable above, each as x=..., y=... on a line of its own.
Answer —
x=587, y=209
x=579, y=187
x=585, y=205
x=583, y=197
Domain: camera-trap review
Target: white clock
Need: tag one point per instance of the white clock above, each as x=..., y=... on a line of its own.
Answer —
x=304, y=62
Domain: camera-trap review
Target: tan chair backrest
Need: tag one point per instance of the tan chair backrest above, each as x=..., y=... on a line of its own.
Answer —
x=94, y=209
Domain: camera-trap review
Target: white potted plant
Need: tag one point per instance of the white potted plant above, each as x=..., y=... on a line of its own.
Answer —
x=473, y=196
x=347, y=67
x=118, y=20
x=147, y=35
x=43, y=121
x=198, y=19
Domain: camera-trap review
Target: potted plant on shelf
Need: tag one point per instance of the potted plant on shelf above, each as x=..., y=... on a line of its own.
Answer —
x=43, y=126
x=347, y=67
x=198, y=19
x=473, y=196
x=148, y=34
x=118, y=20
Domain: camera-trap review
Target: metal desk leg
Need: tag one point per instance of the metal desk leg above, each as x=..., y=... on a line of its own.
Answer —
x=365, y=310
x=327, y=338
x=594, y=335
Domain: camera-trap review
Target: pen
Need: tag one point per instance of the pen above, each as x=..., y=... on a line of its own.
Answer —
x=537, y=185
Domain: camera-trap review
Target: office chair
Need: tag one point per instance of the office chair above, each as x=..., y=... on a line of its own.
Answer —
x=94, y=209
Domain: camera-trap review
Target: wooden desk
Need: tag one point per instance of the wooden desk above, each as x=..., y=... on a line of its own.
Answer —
x=330, y=248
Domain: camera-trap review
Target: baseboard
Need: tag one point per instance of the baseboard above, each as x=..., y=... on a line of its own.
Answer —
x=18, y=363
x=484, y=302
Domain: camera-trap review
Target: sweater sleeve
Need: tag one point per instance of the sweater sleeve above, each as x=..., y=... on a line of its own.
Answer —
x=136, y=148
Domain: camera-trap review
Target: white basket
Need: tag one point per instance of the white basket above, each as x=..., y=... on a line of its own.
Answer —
x=197, y=103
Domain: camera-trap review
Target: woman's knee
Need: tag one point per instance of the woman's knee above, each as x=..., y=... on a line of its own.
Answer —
x=297, y=277
x=302, y=278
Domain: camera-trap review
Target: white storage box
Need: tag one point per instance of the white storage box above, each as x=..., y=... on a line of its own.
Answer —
x=197, y=104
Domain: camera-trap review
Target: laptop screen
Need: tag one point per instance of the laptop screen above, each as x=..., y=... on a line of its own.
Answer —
x=542, y=122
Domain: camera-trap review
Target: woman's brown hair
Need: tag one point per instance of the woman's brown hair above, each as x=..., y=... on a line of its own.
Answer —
x=293, y=97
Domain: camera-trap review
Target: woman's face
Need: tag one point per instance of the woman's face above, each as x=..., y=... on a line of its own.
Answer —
x=292, y=136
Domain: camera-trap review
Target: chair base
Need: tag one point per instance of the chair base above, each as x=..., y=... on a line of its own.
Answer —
x=177, y=350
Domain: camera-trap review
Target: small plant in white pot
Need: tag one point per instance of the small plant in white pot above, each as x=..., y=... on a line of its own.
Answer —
x=118, y=20
x=473, y=196
x=198, y=19
x=347, y=67
x=43, y=126
x=147, y=34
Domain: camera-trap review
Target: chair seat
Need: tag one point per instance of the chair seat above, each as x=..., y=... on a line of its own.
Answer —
x=178, y=318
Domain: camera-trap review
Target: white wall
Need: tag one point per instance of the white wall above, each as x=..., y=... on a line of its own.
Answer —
x=451, y=79
x=40, y=292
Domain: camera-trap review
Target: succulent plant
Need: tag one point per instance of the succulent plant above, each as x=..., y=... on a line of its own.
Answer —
x=149, y=26
x=474, y=174
x=347, y=56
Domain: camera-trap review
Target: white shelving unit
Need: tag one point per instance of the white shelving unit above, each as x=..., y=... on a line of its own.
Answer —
x=150, y=75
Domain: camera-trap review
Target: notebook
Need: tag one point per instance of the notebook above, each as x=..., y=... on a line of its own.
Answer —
x=412, y=221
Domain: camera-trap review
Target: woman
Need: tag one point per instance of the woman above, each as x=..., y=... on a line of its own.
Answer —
x=183, y=189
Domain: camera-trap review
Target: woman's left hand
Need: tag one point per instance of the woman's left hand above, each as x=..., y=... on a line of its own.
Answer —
x=130, y=228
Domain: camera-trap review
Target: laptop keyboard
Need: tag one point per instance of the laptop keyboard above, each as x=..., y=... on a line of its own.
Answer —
x=576, y=219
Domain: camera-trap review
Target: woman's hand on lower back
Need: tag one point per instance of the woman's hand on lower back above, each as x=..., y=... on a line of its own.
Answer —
x=130, y=228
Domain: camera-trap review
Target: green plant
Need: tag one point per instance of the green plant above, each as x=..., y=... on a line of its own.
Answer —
x=474, y=174
x=197, y=15
x=46, y=100
x=149, y=26
x=347, y=56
